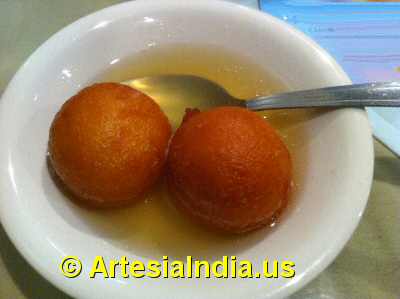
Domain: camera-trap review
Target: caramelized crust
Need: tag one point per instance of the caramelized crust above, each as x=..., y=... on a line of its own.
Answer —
x=228, y=169
x=108, y=144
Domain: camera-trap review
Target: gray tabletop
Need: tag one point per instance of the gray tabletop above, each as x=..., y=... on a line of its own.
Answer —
x=369, y=265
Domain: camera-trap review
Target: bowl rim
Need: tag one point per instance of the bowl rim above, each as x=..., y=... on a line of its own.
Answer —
x=93, y=18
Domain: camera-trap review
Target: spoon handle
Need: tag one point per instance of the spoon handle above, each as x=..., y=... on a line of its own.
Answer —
x=358, y=95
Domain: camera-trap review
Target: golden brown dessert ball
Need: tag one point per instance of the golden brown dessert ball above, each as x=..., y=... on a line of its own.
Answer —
x=228, y=169
x=108, y=144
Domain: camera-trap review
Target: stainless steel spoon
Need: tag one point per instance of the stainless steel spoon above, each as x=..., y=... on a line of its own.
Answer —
x=172, y=91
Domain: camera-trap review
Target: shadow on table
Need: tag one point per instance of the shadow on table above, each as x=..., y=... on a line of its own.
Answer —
x=387, y=169
x=32, y=285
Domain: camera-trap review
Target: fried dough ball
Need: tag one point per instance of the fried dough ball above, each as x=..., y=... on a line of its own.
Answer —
x=228, y=169
x=108, y=144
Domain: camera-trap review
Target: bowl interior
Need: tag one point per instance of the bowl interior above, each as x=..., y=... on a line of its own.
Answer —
x=333, y=158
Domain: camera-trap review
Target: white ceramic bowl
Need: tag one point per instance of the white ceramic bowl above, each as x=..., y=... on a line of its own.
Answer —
x=45, y=227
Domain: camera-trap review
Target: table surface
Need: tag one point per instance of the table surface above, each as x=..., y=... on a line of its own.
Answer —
x=369, y=265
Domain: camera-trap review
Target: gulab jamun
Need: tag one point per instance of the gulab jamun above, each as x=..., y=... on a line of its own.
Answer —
x=108, y=144
x=228, y=169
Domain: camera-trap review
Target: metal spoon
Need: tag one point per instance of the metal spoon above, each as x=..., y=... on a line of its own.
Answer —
x=172, y=91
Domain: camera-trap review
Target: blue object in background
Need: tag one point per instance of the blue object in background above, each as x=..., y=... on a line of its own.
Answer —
x=364, y=37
